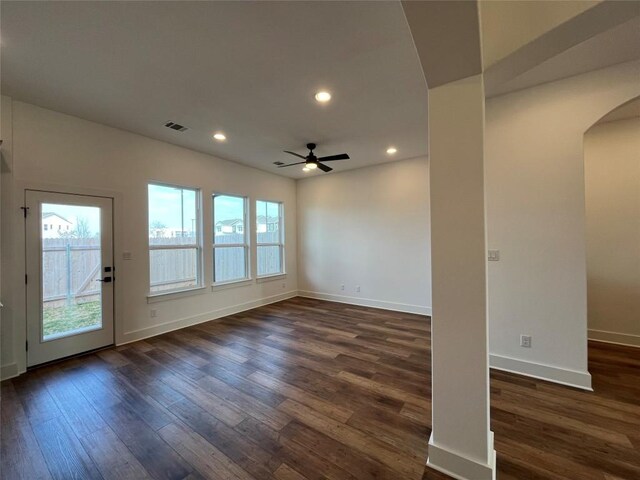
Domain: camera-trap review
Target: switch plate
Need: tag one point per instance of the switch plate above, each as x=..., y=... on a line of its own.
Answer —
x=525, y=341
x=153, y=313
x=494, y=255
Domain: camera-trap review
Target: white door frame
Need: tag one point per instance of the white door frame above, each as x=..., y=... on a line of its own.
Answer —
x=40, y=350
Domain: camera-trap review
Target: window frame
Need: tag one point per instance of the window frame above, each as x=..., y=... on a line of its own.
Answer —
x=199, y=284
x=246, y=245
x=281, y=236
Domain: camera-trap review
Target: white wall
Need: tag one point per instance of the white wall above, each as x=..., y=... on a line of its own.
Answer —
x=9, y=367
x=367, y=227
x=63, y=153
x=612, y=178
x=536, y=218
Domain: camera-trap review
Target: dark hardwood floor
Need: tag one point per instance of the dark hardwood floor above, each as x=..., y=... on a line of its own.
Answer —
x=302, y=389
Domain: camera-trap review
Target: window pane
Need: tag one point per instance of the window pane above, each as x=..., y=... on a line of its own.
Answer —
x=173, y=221
x=229, y=228
x=228, y=219
x=173, y=269
x=172, y=215
x=268, y=222
x=269, y=261
x=229, y=264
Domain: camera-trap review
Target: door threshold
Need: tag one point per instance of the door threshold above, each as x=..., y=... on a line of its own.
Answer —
x=64, y=359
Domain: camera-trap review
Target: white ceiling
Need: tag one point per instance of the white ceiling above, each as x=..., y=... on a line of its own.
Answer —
x=249, y=69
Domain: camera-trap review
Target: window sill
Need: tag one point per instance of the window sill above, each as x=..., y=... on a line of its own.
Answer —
x=233, y=284
x=270, y=278
x=172, y=295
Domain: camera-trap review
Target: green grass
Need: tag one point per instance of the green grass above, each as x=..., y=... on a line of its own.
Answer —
x=71, y=317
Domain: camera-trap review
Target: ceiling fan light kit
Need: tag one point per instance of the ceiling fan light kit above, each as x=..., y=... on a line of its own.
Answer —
x=311, y=162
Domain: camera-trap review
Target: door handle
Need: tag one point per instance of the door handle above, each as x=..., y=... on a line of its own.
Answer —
x=105, y=279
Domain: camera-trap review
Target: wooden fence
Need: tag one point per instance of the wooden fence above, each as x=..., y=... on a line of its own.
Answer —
x=72, y=266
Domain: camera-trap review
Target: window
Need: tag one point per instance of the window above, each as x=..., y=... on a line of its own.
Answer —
x=270, y=238
x=230, y=243
x=175, y=248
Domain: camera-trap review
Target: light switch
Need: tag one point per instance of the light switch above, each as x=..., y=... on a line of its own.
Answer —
x=494, y=255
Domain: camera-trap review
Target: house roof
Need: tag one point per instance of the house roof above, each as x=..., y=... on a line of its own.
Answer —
x=53, y=214
x=233, y=221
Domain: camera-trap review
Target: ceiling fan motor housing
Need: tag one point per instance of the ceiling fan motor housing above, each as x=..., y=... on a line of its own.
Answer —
x=311, y=161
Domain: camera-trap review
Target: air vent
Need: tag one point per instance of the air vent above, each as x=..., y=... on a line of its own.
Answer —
x=175, y=126
x=278, y=163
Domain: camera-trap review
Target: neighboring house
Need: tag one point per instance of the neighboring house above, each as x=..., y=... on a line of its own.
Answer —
x=166, y=232
x=54, y=225
x=267, y=224
x=234, y=225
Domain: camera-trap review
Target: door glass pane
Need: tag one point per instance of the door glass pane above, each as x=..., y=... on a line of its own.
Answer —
x=71, y=266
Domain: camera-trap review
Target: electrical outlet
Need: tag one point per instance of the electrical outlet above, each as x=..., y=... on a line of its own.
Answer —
x=525, y=341
x=126, y=255
x=153, y=313
x=358, y=288
x=342, y=287
x=284, y=285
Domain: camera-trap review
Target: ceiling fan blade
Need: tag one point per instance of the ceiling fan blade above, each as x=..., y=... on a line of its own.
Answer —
x=293, y=153
x=291, y=164
x=342, y=156
x=324, y=168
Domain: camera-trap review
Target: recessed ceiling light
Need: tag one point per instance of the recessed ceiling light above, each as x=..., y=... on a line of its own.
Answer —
x=391, y=150
x=221, y=137
x=323, y=96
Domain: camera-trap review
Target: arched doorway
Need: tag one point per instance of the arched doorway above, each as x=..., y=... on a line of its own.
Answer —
x=612, y=207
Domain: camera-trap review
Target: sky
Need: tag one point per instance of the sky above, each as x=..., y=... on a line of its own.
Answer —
x=74, y=212
x=165, y=201
x=164, y=208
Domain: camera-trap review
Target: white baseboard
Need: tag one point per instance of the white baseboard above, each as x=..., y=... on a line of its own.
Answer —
x=563, y=376
x=365, y=302
x=8, y=371
x=615, y=337
x=459, y=466
x=141, y=334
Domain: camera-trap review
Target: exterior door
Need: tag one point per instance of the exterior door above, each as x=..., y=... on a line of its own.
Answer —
x=69, y=260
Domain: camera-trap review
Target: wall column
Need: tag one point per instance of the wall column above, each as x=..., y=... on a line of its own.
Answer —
x=461, y=442
x=447, y=39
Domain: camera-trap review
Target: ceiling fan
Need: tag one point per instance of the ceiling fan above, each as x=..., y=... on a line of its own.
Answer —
x=311, y=161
